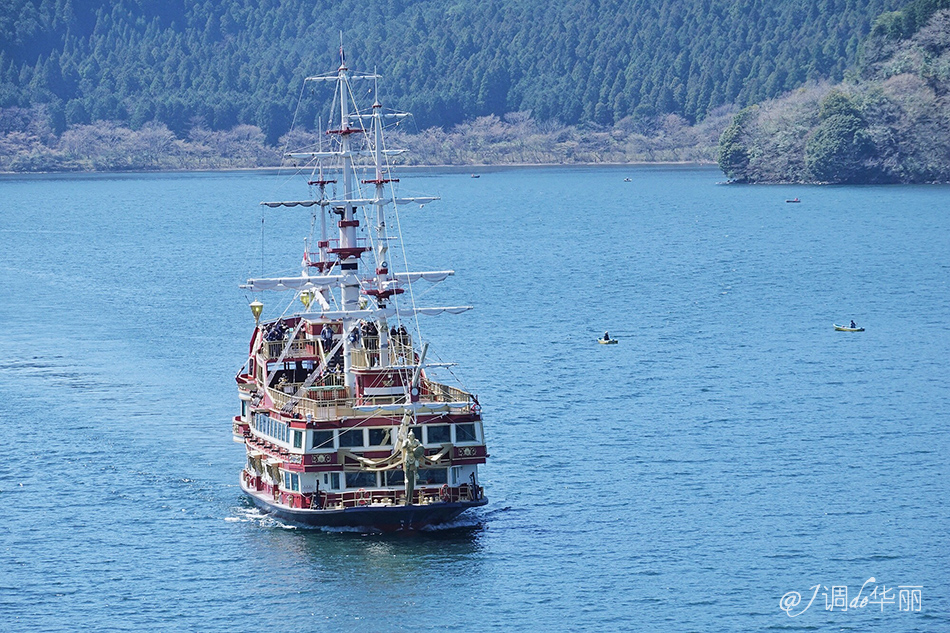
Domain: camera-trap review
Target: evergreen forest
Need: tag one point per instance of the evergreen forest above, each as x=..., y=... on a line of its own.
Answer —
x=242, y=62
x=85, y=84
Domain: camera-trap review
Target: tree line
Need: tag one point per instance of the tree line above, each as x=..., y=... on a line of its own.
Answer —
x=28, y=143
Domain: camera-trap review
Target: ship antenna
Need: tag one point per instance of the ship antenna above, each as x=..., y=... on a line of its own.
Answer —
x=342, y=55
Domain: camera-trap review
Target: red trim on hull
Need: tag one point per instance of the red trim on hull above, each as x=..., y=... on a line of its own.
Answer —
x=381, y=518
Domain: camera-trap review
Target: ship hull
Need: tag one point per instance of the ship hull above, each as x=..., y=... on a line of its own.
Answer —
x=381, y=518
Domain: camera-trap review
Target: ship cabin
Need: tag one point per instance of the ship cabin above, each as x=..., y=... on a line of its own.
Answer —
x=312, y=440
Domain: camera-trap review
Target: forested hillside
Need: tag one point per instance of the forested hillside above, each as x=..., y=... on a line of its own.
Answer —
x=890, y=122
x=228, y=62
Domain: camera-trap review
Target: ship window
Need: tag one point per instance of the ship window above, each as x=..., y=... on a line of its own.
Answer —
x=395, y=478
x=456, y=471
x=353, y=437
x=432, y=476
x=360, y=480
x=465, y=433
x=380, y=437
x=322, y=439
x=243, y=409
x=438, y=434
x=295, y=482
x=298, y=439
x=335, y=481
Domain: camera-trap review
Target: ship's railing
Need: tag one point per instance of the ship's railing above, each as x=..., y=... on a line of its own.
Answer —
x=299, y=348
x=437, y=392
x=328, y=401
x=396, y=497
x=329, y=382
x=365, y=354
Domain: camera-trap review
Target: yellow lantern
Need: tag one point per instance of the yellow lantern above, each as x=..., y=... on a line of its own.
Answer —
x=256, y=308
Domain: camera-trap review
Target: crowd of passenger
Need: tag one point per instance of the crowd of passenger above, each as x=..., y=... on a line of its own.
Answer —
x=365, y=334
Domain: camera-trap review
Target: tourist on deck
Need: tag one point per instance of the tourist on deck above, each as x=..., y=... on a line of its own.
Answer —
x=326, y=335
x=371, y=341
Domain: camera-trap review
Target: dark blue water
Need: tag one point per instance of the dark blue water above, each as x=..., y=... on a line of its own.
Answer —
x=730, y=449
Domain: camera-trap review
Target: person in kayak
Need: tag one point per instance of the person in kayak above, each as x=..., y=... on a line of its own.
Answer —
x=853, y=326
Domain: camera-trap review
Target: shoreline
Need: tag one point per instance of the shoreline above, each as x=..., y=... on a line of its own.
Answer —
x=449, y=168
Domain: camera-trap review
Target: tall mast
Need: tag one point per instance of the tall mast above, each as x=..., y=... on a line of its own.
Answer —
x=349, y=254
x=382, y=242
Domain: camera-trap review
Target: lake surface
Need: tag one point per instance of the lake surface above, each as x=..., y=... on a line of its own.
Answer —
x=731, y=449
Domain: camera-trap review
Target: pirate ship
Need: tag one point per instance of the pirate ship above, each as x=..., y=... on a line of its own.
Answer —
x=342, y=418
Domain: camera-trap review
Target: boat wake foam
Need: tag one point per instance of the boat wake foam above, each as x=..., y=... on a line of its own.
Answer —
x=254, y=515
x=458, y=524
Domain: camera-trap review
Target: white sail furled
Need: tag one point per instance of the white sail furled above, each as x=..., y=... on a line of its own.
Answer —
x=291, y=203
x=324, y=282
x=390, y=115
x=319, y=282
x=408, y=312
x=420, y=200
x=345, y=154
x=349, y=76
x=364, y=201
x=383, y=313
x=432, y=276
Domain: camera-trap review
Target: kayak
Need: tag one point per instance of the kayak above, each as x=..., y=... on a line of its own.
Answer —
x=611, y=341
x=845, y=328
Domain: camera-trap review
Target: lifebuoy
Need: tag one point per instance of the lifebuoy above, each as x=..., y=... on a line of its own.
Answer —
x=444, y=493
x=362, y=496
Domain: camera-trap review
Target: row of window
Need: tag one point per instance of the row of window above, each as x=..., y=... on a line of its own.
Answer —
x=359, y=438
x=427, y=434
x=267, y=425
x=424, y=477
x=277, y=430
x=389, y=478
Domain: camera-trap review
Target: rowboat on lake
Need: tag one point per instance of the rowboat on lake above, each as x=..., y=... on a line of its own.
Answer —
x=845, y=328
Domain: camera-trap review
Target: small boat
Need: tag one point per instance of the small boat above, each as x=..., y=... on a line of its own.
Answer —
x=476, y=176
x=845, y=328
x=793, y=200
x=611, y=341
x=627, y=180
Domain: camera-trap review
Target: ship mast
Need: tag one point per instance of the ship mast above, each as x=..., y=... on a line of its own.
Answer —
x=349, y=252
x=383, y=284
x=382, y=240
